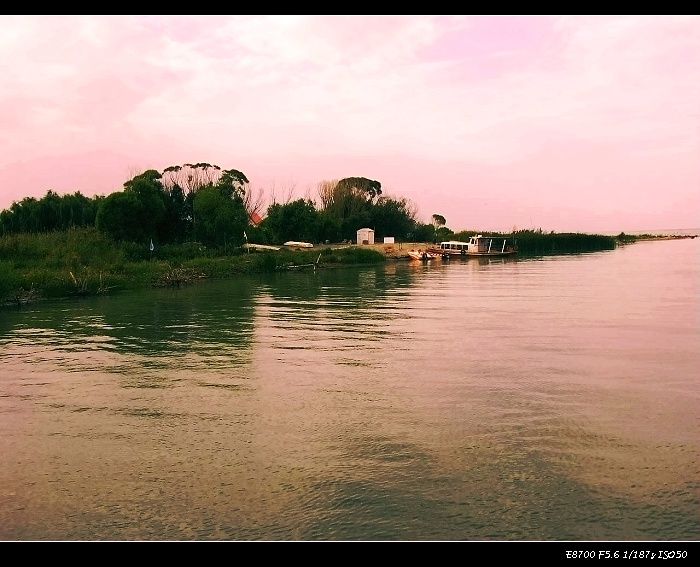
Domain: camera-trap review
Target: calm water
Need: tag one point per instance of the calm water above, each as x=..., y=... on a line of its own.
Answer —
x=543, y=399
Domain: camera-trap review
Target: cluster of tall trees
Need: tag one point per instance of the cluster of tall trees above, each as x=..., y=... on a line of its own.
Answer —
x=343, y=207
x=199, y=202
x=204, y=203
x=51, y=212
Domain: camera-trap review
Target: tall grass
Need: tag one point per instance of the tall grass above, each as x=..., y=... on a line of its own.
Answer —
x=531, y=242
x=83, y=261
x=535, y=242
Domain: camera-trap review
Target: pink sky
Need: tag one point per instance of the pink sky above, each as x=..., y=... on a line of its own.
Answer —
x=587, y=124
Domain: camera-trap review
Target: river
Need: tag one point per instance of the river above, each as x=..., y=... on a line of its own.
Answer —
x=522, y=399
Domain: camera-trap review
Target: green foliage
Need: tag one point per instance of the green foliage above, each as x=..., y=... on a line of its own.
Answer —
x=52, y=212
x=443, y=233
x=119, y=217
x=66, y=249
x=181, y=185
x=423, y=233
x=352, y=255
x=349, y=202
x=222, y=217
x=150, y=176
x=352, y=223
x=233, y=180
x=69, y=245
x=260, y=234
x=137, y=213
x=297, y=220
x=623, y=238
x=9, y=281
x=369, y=188
x=534, y=242
x=176, y=223
x=391, y=217
x=438, y=221
x=329, y=228
x=151, y=211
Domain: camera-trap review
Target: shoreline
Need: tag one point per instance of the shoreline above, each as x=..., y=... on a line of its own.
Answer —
x=170, y=276
x=400, y=250
x=662, y=236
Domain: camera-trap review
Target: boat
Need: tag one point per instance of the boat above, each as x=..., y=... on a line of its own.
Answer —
x=423, y=255
x=295, y=267
x=261, y=247
x=478, y=245
x=296, y=244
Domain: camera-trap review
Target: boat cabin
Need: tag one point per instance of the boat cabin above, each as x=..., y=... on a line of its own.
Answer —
x=478, y=245
x=485, y=244
x=453, y=247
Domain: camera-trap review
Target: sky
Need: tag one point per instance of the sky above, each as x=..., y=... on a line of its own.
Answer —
x=568, y=124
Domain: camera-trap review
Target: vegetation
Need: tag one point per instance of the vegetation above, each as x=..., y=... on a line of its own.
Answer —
x=52, y=212
x=85, y=261
x=190, y=221
x=536, y=242
x=531, y=242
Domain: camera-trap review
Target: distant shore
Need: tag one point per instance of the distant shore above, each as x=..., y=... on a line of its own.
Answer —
x=85, y=262
x=400, y=250
x=663, y=236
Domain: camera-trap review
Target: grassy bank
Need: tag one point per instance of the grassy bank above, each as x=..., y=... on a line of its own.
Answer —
x=82, y=262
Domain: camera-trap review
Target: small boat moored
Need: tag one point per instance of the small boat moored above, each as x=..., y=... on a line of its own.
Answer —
x=423, y=255
x=297, y=245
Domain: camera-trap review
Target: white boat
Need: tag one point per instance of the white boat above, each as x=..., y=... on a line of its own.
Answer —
x=478, y=245
x=295, y=244
x=422, y=255
x=263, y=247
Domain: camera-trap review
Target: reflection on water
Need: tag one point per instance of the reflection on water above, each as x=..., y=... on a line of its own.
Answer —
x=510, y=399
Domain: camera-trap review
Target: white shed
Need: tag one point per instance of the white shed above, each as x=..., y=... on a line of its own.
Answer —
x=365, y=236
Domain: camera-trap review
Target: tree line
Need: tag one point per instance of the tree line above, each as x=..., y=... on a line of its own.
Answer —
x=213, y=206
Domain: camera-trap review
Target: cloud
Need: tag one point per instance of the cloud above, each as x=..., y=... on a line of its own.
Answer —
x=589, y=102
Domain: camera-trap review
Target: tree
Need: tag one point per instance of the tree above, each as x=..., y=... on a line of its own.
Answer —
x=423, y=232
x=222, y=216
x=443, y=233
x=119, y=217
x=78, y=210
x=438, y=221
x=349, y=201
x=297, y=220
x=175, y=224
x=370, y=188
x=50, y=212
x=26, y=215
x=191, y=177
x=392, y=217
x=136, y=213
x=235, y=181
x=149, y=191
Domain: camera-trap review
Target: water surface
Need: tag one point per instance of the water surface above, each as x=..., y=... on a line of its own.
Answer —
x=550, y=398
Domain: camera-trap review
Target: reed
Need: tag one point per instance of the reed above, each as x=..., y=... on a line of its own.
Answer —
x=82, y=262
x=530, y=242
x=536, y=242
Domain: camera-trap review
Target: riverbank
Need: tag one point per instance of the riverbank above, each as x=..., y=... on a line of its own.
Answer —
x=637, y=237
x=84, y=262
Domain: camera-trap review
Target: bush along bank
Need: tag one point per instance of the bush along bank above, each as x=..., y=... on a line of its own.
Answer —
x=84, y=262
